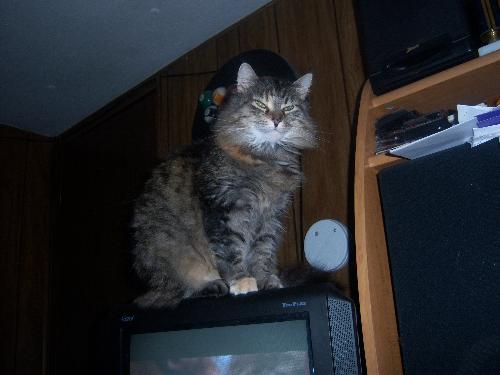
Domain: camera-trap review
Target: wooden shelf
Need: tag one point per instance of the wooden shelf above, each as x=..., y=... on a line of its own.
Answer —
x=382, y=161
x=470, y=83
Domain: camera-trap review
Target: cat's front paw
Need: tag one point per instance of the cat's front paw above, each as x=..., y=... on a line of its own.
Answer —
x=270, y=282
x=215, y=288
x=243, y=285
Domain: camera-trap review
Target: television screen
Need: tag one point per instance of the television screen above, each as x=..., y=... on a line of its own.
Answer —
x=265, y=348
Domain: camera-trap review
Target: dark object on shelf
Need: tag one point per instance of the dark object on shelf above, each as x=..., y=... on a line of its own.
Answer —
x=404, y=41
x=487, y=17
x=393, y=120
x=441, y=221
x=404, y=127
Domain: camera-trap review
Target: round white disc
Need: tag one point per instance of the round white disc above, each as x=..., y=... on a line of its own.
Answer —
x=326, y=245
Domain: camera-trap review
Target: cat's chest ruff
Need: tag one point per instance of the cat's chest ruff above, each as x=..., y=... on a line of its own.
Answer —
x=264, y=189
x=235, y=153
x=256, y=183
x=251, y=167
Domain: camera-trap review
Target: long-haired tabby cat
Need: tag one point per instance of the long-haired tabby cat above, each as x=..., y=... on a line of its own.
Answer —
x=209, y=220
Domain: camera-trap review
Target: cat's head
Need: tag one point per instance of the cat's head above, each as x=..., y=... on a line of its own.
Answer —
x=263, y=113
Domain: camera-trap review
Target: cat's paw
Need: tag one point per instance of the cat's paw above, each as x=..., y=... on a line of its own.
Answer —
x=270, y=282
x=243, y=285
x=215, y=288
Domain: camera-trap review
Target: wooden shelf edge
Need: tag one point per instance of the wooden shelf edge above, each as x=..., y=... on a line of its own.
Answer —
x=360, y=237
x=382, y=355
x=381, y=161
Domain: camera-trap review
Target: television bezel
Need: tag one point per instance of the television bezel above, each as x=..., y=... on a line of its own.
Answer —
x=300, y=303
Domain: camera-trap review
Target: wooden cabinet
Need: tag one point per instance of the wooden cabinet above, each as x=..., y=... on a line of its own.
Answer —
x=469, y=83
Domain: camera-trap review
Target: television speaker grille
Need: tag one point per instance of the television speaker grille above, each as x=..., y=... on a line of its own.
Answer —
x=343, y=339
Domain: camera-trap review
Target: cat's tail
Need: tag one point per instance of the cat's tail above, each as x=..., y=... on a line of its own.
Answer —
x=305, y=274
x=170, y=296
x=160, y=299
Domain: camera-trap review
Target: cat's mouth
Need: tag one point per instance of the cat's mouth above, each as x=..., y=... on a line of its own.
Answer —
x=267, y=136
x=271, y=136
x=274, y=135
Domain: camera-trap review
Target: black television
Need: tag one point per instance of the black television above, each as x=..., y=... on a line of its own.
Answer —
x=302, y=330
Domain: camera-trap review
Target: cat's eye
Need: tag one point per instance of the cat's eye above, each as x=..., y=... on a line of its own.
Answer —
x=261, y=105
x=288, y=108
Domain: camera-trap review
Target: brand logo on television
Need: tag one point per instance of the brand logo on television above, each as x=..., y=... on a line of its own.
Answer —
x=412, y=48
x=287, y=305
x=127, y=318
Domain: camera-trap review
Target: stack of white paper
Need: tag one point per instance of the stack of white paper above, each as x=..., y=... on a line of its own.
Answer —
x=468, y=112
x=481, y=135
x=487, y=126
x=467, y=130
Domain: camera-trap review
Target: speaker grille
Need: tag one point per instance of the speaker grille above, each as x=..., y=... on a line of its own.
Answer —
x=441, y=214
x=342, y=335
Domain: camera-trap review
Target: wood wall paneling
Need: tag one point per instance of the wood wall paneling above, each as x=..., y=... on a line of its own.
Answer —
x=74, y=270
x=12, y=171
x=111, y=109
x=25, y=189
x=290, y=254
x=259, y=30
x=228, y=45
x=162, y=128
x=352, y=67
x=183, y=93
x=309, y=41
x=354, y=77
x=200, y=60
x=103, y=172
x=33, y=284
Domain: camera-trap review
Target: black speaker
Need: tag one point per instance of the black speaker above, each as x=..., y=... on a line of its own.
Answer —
x=442, y=221
x=404, y=41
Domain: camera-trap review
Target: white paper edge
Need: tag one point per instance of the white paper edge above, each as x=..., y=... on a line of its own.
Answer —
x=451, y=137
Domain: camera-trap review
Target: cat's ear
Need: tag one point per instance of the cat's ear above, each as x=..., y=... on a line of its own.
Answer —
x=303, y=85
x=246, y=77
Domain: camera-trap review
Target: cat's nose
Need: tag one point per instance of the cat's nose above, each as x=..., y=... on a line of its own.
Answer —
x=276, y=119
